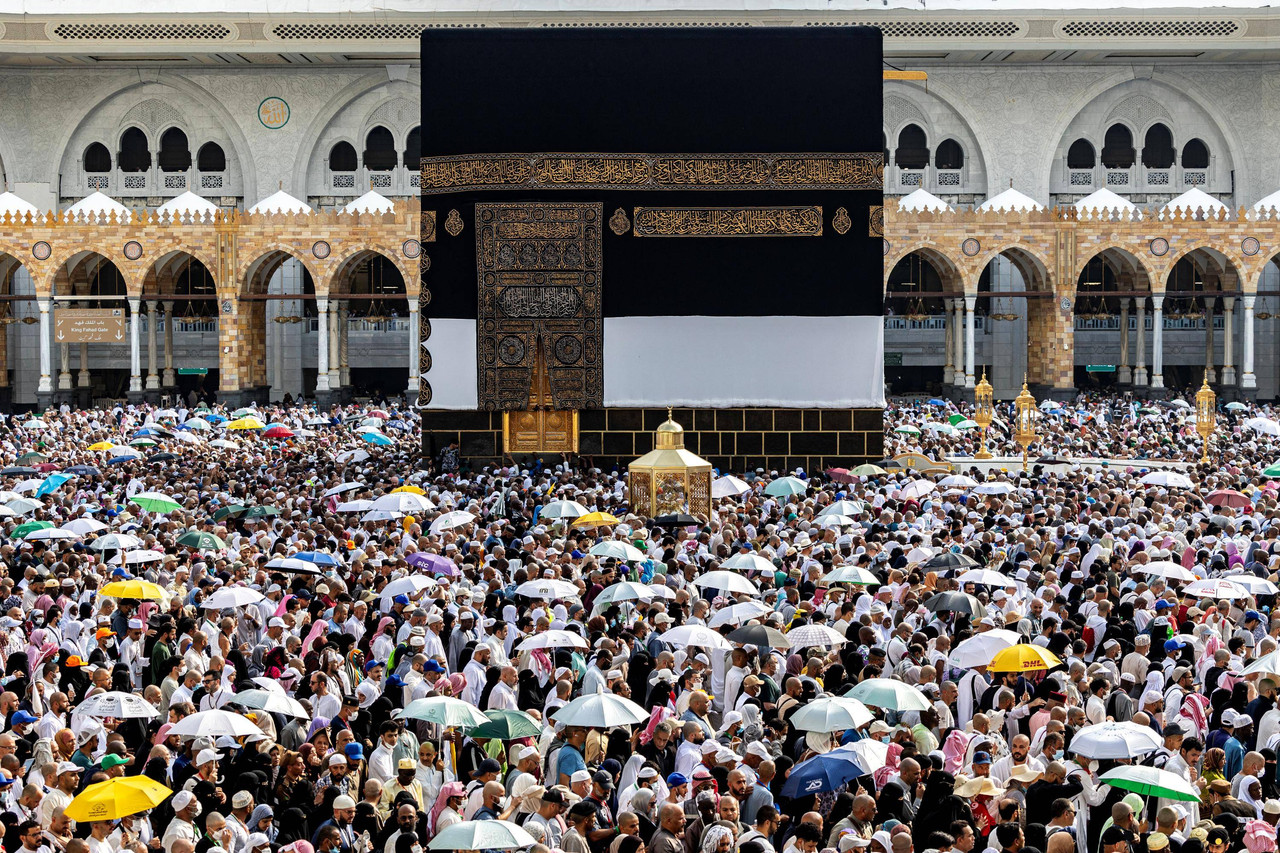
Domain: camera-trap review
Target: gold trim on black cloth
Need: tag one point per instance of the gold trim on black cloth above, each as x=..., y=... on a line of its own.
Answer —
x=460, y=173
x=539, y=267
x=728, y=221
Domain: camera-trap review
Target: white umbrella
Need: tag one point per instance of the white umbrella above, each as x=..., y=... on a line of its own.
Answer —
x=829, y=521
x=868, y=754
x=231, y=597
x=563, y=509
x=1167, y=570
x=548, y=589
x=448, y=520
x=832, y=714
x=343, y=488
x=270, y=700
x=348, y=456
x=618, y=550
x=624, y=591
x=748, y=562
x=410, y=586
x=661, y=590
x=117, y=704
x=1180, y=403
x=997, y=488
x=84, y=526
x=445, y=711
x=215, y=723
x=553, y=639
x=50, y=533
x=382, y=515
x=268, y=683
x=115, y=542
x=198, y=424
x=293, y=564
x=1168, y=479
x=728, y=581
x=728, y=487
x=851, y=574
x=694, y=635
x=919, y=555
x=842, y=507
x=22, y=506
x=135, y=558
x=601, y=710
x=980, y=648
x=1255, y=584
x=224, y=444
x=1269, y=662
x=29, y=485
x=1266, y=426
x=1115, y=740
x=959, y=481
x=406, y=502
x=917, y=489
x=361, y=505
x=807, y=636
x=736, y=614
x=1215, y=588
x=482, y=835
x=985, y=577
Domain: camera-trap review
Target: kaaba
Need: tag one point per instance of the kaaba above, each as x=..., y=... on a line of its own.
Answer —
x=620, y=220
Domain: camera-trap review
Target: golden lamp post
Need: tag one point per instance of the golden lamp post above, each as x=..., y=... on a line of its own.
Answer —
x=983, y=410
x=1206, y=415
x=1024, y=421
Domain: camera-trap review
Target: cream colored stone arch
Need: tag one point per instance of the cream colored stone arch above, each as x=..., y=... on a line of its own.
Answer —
x=357, y=252
x=943, y=263
x=1229, y=262
x=1036, y=270
x=1131, y=253
x=258, y=254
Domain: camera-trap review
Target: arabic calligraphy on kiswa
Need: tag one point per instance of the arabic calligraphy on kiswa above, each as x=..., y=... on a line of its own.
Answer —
x=728, y=221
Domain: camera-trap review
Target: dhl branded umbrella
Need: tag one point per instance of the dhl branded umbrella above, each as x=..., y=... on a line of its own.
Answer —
x=1023, y=657
x=595, y=519
x=117, y=798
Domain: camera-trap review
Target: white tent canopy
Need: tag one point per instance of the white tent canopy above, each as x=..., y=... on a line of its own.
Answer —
x=1194, y=200
x=370, y=202
x=188, y=202
x=100, y=206
x=280, y=202
x=1264, y=205
x=1011, y=199
x=1104, y=201
x=922, y=200
x=10, y=203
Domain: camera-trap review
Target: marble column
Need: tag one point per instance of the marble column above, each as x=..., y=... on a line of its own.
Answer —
x=1140, y=370
x=64, y=375
x=970, y=302
x=344, y=369
x=153, y=379
x=135, y=348
x=948, y=370
x=170, y=377
x=335, y=372
x=322, y=347
x=1157, y=342
x=1228, y=340
x=1210, y=302
x=46, y=357
x=83, y=379
x=415, y=345
x=277, y=352
x=957, y=378
x=1124, y=377
x=1248, y=381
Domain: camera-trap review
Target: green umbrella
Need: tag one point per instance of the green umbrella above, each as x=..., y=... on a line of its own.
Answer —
x=867, y=471
x=784, y=486
x=1273, y=471
x=907, y=429
x=201, y=541
x=31, y=458
x=155, y=502
x=228, y=511
x=23, y=529
x=956, y=418
x=444, y=711
x=507, y=725
x=260, y=511
x=1151, y=782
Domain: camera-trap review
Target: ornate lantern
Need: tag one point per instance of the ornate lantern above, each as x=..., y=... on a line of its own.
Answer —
x=670, y=479
x=1206, y=415
x=983, y=411
x=1024, y=421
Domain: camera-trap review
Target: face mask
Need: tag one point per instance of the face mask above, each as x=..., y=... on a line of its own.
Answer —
x=884, y=738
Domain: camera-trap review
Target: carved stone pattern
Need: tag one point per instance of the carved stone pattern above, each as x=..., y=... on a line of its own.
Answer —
x=411, y=248
x=912, y=179
x=1082, y=179
x=640, y=486
x=841, y=221
x=321, y=249
x=380, y=180
x=41, y=251
x=619, y=223
x=539, y=283
x=211, y=182
x=1195, y=179
x=175, y=182
x=1159, y=246
x=948, y=179
x=1158, y=178
x=899, y=112
x=344, y=181
x=654, y=171
x=1117, y=179
x=399, y=113
x=888, y=247
x=728, y=221
x=453, y=223
x=99, y=182
x=1250, y=246
x=1140, y=112
x=133, y=250
x=135, y=182
x=875, y=221
x=153, y=114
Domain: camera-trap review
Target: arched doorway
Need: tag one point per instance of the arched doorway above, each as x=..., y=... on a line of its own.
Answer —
x=91, y=281
x=280, y=319
x=1110, y=312
x=18, y=322
x=180, y=300
x=369, y=311
x=920, y=293
x=1015, y=325
x=1198, y=311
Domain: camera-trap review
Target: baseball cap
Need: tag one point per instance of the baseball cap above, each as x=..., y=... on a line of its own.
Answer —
x=1172, y=645
x=68, y=767
x=603, y=779
x=551, y=795
x=489, y=765
x=354, y=752
x=207, y=755
x=22, y=718
x=677, y=779
x=109, y=761
x=981, y=758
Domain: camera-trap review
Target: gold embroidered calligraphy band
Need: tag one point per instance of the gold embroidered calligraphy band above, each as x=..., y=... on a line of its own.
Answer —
x=859, y=171
x=728, y=222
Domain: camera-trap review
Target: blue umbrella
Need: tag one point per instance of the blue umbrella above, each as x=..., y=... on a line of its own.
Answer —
x=936, y=402
x=400, y=425
x=377, y=438
x=52, y=483
x=148, y=432
x=215, y=418
x=82, y=470
x=120, y=460
x=320, y=558
x=821, y=773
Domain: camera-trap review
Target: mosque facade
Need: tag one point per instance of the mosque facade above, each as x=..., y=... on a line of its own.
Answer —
x=318, y=107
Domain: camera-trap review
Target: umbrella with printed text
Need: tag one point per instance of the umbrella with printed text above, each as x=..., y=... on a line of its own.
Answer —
x=434, y=563
x=1023, y=657
x=201, y=540
x=117, y=798
x=823, y=773
x=21, y=531
x=118, y=705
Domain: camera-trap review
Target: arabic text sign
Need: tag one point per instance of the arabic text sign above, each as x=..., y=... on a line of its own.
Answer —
x=89, y=326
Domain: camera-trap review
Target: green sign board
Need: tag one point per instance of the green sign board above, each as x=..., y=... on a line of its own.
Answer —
x=193, y=371
x=1099, y=368
x=893, y=359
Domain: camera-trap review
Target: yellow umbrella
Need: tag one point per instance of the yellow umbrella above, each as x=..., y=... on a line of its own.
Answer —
x=134, y=589
x=595, y=519
x=249, y=422
x=414, y=489
x=1023, y=657
x=101, y=445
x=117, y=798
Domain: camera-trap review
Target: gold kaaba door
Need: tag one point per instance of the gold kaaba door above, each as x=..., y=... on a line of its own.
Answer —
x=540, y=428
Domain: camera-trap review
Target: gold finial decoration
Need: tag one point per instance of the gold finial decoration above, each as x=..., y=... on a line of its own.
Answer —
x=670, y=478
x=1024, y=425
x=1206, y=415
x=983, y=413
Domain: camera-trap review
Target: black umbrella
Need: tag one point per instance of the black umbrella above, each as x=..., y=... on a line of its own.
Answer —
x=956, y=602
x=18, y=470
x=760, y=635
x=82, y=471
x=948, y=560
x=679, y=519
x=889, y=463
x=1051, y=460
x=161, y=457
